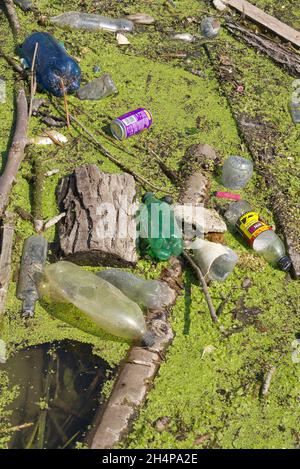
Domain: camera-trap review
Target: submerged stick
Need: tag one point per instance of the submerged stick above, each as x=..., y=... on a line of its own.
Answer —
x=16, y=151
x=201, y=278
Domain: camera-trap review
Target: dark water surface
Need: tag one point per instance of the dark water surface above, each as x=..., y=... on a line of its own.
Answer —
x=60, y=391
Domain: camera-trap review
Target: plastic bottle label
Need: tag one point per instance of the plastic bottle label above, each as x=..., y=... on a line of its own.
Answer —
x=250, y=226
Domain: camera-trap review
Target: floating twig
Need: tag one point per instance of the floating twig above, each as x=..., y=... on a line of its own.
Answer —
x=267, y=381
x=200, y=276
x=65, y=103
x=17, y=68
x=33, y=83
x=37, y=209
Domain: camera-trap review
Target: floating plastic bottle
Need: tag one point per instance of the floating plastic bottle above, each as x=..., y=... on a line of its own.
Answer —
x=236, y=172
x=91, y=22
x=98, y=88
x=32, y=263
x=56, y=71
x=210, y=27
x=215, y=260
x=152, y=294
x=258, y=234
x=98, y=299
x=159, y=231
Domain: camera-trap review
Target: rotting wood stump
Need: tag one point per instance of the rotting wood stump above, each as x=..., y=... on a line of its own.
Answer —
x=136, y=374
x=99, y=226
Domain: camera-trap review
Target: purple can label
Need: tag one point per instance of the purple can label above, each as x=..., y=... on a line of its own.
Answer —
x=135, y=121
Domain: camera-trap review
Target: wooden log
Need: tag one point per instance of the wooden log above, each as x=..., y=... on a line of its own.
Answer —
x=99, y=226
x=5, y=258
x=259, y=16
x=136, y=375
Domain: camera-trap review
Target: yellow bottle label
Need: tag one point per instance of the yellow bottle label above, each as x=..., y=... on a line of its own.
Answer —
x=250, y=226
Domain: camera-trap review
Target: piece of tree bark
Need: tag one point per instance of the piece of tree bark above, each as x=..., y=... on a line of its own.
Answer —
x=278, y=53
x=5, y=258
x=259, y=16
x=99, y=227
x=16, y=152
x=136, y=374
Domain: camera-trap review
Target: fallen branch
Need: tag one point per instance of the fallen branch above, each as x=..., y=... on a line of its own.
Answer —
x=201, y=278
x=136, y=375
x=5, y=258
x=16, y=152
x=17, y=68
x=280, y=54
x=106, y=153
x=271, y=23
x=13, y=18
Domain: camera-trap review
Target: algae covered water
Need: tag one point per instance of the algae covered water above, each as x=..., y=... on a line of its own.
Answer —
x=59, y=393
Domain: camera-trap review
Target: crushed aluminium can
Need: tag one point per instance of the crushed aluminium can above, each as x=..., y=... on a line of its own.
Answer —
x=131, y=123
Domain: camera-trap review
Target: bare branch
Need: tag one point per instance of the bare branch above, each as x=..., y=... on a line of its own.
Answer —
x=200, y=276
x=13, y=18
x=16, y=152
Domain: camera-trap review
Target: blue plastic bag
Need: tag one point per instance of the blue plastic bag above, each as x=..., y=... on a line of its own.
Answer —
x=56, y=71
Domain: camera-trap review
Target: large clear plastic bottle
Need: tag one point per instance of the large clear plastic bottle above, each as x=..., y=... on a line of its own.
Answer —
x=98, y=299
x=259, y=235
x=152, y=294
x=91, y=22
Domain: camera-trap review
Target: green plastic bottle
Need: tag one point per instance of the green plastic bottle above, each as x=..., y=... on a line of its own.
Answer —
x=159, y=233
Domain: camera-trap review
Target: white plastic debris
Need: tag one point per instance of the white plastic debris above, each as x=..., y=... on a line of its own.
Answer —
x=141, y=18
x=2, y=351
x=122, y=39
x=219, y=5
x=185, y=37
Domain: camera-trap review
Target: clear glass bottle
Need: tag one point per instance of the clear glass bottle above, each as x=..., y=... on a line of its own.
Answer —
x=236, y=172
x=259, y=235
